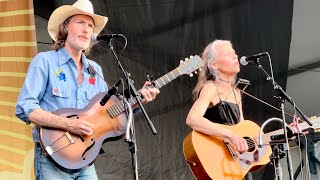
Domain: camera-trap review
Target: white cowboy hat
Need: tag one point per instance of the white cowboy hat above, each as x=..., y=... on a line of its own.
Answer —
x=80, y=7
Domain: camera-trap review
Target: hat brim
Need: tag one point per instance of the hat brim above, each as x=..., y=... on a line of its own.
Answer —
x=64, y=12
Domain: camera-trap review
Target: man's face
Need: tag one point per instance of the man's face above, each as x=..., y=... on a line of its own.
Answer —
x=80, y=29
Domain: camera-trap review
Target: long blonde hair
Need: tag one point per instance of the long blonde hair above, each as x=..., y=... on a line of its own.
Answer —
x=208, y=73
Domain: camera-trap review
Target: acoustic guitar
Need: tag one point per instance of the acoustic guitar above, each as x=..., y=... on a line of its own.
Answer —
x=73, y=152
x=214, y=158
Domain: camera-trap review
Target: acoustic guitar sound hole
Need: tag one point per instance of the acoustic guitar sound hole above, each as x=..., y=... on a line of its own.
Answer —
x=251, y=144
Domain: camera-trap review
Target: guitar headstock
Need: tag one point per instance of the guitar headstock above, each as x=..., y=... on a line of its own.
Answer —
x=190, y=65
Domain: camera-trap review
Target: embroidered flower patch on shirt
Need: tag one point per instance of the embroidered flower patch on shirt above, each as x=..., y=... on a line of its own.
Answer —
x=61, y=75
x=92, y=80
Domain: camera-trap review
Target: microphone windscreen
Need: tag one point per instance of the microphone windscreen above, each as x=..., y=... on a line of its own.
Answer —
x=94, y=38
x=243, y=61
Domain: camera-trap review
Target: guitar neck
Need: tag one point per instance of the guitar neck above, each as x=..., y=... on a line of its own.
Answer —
x=186, y=67
x=267, y=136
x=119, y=107
x=165, y=79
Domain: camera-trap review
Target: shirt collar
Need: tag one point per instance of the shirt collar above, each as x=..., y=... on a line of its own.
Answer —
x=84, y=61
x=64, y=57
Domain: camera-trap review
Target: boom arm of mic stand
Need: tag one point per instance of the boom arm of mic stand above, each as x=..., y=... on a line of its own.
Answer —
x=289, y=99
x=132, y=88
x=283, y=94
x=151, y=126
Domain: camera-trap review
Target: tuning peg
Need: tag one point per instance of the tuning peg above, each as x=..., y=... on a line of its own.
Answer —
x=181, y=61
x=200, y=69
x=186, y=59
x=191, y=75
x=191, y=57
x=195, y=72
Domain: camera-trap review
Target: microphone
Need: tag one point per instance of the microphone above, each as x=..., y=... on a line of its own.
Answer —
x=253, y=58
x=104, y=37
x=113, y=90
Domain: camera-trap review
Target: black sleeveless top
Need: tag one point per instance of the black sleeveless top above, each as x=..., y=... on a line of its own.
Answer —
x=224, y=112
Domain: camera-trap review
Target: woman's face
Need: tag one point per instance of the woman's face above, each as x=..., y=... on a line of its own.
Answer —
x=226, y=60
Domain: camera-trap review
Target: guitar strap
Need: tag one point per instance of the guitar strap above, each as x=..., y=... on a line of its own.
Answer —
x=263, y=102
x=92, y=71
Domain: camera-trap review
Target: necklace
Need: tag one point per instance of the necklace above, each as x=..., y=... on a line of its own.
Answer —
x=224, y=80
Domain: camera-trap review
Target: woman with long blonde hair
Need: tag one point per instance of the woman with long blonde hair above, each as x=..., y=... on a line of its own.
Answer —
x=216, y=99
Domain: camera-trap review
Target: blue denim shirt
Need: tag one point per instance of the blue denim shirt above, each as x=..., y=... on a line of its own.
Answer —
x=51, y=83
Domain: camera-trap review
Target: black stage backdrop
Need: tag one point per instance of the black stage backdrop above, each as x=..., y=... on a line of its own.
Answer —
x=160, y=33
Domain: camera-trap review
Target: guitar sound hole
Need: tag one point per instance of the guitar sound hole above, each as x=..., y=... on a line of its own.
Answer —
x=88, y=148
x=251, y=144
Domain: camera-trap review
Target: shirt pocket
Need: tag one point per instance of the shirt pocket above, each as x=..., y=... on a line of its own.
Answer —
x=60, y=91
x=90, y=94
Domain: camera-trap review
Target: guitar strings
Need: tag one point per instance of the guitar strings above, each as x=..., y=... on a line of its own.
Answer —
x=251, y=144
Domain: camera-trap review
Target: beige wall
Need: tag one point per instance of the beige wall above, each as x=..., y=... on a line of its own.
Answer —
x=17, y=47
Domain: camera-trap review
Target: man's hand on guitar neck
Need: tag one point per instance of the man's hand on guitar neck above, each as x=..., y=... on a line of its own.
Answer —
x=148, y=92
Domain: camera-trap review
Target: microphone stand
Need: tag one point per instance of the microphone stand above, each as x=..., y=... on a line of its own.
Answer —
x=281, y=98
x=277, y=152
x=130, y=138
x=283, y=95
x=130, y=132
x=133, y=91
x=275, y=157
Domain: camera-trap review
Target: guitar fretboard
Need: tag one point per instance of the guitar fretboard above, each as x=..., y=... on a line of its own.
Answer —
x=119, y=107
x=165, y=79
x=266, y=138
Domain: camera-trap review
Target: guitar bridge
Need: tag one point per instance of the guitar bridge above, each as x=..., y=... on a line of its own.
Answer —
x=50, y=148
x=69, y=137
x=232, y=154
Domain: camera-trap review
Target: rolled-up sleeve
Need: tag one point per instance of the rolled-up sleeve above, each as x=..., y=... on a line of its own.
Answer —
x=33, y=88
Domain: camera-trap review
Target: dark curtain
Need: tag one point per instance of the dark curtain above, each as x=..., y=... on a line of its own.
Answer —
x=160, y=33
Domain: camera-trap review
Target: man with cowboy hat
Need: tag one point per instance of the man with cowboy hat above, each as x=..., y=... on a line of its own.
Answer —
x=65, y=78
